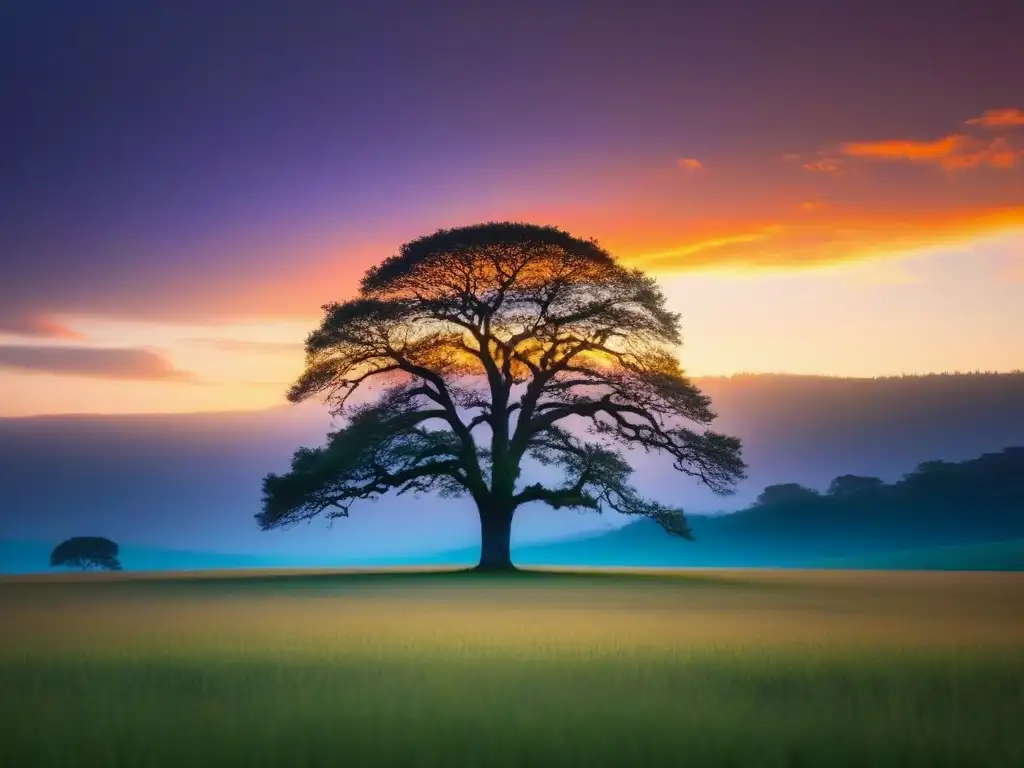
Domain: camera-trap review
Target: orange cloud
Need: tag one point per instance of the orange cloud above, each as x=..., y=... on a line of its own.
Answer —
x=689, y=163
x=1000, y=153
x=999, y=118
x=915, y=151
x=953, y=153
x=840, y=236
x=702, y=247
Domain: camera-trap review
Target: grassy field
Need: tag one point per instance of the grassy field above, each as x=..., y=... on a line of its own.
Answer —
x=713, y=668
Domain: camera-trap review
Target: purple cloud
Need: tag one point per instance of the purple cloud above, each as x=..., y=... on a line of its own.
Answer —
x=94, y=362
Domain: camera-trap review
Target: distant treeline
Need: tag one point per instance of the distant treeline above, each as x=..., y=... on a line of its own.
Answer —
x=939, y=503
x=964, y=515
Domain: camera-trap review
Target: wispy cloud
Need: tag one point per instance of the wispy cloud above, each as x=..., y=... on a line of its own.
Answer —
x=914, y=151
x=954, y=152
x=999, y=118
x=703, y=248
x=93, y=362
x=35, y=325
x=834, y=236
x=1000, y=153
x=689, y=163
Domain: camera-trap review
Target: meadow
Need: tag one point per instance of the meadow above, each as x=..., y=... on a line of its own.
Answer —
x=673, y=668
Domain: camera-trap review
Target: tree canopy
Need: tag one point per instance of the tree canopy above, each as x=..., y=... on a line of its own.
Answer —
x=846, y=486
x=488, y=345
x=86, y=552
x=786, y=493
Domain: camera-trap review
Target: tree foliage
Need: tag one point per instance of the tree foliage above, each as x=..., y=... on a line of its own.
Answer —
x=786, y=493
x=87, y=553
x=488, y=345
x=848, y=486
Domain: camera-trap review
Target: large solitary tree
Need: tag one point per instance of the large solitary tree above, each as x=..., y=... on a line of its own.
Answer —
x=488, y=345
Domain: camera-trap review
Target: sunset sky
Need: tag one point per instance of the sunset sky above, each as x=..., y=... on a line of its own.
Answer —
x=832, y=188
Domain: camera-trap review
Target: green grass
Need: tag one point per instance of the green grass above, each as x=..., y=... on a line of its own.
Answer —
x=710, y=669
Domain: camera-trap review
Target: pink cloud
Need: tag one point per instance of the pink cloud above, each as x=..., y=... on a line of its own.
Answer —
x=92, y=362
x=37, y=325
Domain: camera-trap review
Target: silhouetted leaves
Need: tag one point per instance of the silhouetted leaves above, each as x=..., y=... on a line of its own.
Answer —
x=786, y=493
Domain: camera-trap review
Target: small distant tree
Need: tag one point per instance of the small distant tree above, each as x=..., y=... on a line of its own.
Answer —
x=87, y=553
x=846, y=486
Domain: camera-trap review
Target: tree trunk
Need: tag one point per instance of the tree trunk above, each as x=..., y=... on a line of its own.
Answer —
x=495, y=540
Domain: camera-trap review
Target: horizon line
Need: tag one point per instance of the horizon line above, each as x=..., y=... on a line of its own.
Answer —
x=695, y=378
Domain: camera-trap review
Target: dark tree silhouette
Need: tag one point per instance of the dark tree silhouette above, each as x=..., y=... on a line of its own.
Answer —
x=491, y=341
x=86, y=552
x=940, y=503
x=786, y=493
x=847, y=486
